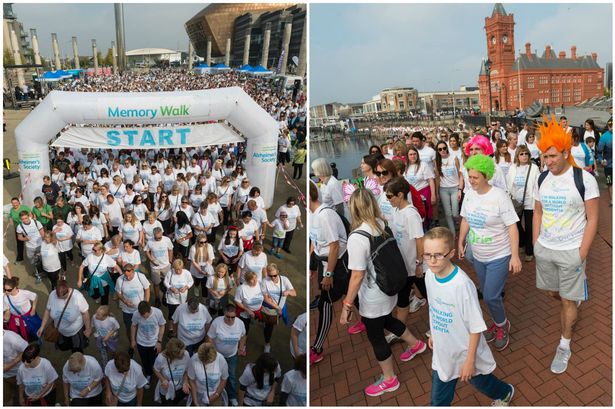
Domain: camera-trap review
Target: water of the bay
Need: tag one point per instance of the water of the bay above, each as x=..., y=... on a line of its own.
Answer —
x=345, y=150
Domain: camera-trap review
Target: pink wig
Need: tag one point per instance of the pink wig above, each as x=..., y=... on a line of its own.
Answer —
x=483, y=142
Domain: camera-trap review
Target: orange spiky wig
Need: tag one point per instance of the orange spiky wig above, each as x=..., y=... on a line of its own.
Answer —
x=553, y=134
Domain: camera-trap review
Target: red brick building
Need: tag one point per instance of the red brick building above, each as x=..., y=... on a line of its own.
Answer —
x=518, y=81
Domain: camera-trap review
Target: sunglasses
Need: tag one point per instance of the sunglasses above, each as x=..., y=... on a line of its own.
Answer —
x=202, y=242
x=383, y=173
x=273, y=275
x=6, y=290
x=442, y=149
x=164, y=196
x=523, y=154
x=389, y=196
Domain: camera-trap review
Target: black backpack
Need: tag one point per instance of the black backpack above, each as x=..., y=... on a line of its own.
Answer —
x=389, y=266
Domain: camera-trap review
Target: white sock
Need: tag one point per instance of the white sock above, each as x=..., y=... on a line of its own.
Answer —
x=502, y=324
x=564, y=343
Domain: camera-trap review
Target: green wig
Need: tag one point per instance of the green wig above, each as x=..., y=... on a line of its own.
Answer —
x=481, y=163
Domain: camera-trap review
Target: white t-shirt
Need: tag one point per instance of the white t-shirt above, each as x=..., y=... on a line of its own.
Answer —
x=191, y=327
x=216, y=372
x=293, y=214
x=454, y=314
x=407, y=227
x=232, y=249
x=148, y=229
x=178, y=368
x=114, y=212
x=22, y=302
x=278, y=229
x=13, y=346
x=104, y=327
x=578, y=154
x=97, y=223
x=449, y=176
x=160, y=251
x=249, y=230
x=295, y=385
x=214, y=210
x=300, y=325
x=419, y=177
x=220, y=285
x=35, y=379
x=251, y=298
x=489, y=216
x=427, y=156
x=372, y=301
x=134, y=380
x=274, y=290
x=172, y=279
x=563, y=210
x=326, y=227
x=130, y=232
x=63, y=233
x=247, y=379
x=204, y=221
x=259, y=216
x=206, y=265
x=72, y=320
x=148, y=328
x=224, y=195
x=81, y=380
x=181, y=233
x=50, y=257
x=133, y=257
x=32, y=231
x=331, y=193
x=385, y=205
x=92, y=234
x=153, y=181
x=504, y=166
x=98, y=267
x=248, y=262
x=133, y=290
x=226, y=337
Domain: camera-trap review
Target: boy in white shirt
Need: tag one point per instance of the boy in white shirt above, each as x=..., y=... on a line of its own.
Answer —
x=460, y=351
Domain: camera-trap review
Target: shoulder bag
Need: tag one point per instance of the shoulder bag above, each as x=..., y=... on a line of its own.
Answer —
x=51, y=332
x=270, y=315
x=520, y=205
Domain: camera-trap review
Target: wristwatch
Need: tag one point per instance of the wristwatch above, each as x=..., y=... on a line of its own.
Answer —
x=328, y=274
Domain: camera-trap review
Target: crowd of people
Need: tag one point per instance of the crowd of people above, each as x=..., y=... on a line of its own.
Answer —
x=163, y=259
x=506, y=196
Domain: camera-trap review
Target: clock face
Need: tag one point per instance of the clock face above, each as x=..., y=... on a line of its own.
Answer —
x=505, y=39
x=493, y=40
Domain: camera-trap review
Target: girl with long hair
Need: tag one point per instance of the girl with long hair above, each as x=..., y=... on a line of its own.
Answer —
x=448, y=171
x=201, y=258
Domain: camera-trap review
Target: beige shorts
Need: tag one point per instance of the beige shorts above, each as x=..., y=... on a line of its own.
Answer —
x=156, y=273
x=561, y=271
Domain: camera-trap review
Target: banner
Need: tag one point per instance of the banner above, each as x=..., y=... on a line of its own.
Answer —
x=150, y=137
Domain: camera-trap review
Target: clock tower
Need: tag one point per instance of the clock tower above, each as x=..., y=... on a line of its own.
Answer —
x=500, y=39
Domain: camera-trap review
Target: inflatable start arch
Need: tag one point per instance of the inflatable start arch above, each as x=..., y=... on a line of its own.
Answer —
x=162, y=110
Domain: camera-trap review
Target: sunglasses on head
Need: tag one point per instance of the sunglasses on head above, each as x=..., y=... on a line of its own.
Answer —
x=383, y=173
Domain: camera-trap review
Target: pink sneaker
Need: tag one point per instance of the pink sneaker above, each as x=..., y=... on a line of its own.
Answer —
x=316, y=357
x=381, y=386
x=357, y=328
x=410, y=353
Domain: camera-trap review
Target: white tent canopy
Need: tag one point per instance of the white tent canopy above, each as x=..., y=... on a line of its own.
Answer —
x=233, y=105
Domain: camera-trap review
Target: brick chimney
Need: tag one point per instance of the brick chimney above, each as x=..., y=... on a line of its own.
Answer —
x=528, y=50
x=548, y=52
x=573, y=52
x=594, y=56
x=562, y=54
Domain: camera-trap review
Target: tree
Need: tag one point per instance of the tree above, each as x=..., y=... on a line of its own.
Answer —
x=85, y=62
x=108, y=60
x=100, y=59
x=8, y=59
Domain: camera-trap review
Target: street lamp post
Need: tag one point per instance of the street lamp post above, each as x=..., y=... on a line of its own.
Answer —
x=488, y=71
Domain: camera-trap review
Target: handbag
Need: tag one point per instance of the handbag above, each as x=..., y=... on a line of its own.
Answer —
x=87, y=282
x=520, y=205
x=51, y=332
x=29, y=323
x=270, y=315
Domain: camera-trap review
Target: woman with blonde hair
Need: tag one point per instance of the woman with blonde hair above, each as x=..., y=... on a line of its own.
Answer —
x=201, y=258
x=249, y=300
x=400, y=151
x=132, y=229
x=219, y=286
x=502, y=156
x=170, y=368
x=276, y=289
x=207, y=375
x=82, y=376
x=375, y=307
x=177, y=282
x=117, y=188
x=50, y=256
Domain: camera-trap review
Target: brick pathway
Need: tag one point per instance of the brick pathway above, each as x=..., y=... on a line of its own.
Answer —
x=339, y=379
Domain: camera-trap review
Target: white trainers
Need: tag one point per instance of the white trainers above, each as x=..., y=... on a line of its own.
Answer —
x=506, y=400
x=391, y=338
x=267, y=348
x=416, y=304
x=560, y=362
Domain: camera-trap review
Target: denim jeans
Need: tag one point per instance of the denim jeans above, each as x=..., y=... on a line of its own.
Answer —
x=450, y=204
x=231, y=383
x=442, y=393
x=492, y=276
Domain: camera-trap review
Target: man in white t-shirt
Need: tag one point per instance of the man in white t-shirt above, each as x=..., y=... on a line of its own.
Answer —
x=298, y=336
x=160, y=253
x=228, y=335
x=565, y=224
x=426, y=153
x=31, y=232
x=190, y=322
x=112, y=209
x=131, y=288
x=146, y=335
x=13, y=347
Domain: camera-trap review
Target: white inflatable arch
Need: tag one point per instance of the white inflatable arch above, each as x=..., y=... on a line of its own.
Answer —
x=162, y=110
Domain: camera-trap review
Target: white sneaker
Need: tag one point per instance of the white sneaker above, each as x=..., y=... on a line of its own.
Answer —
x=267, y=348
x=148, y=378
x=411, y=294
x=428, y=334
x=196, y=292
x=416, y=304
x=234, y=402
x=391, y=338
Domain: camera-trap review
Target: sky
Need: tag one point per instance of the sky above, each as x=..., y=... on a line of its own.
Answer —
x=356, y=50
x=146, y=25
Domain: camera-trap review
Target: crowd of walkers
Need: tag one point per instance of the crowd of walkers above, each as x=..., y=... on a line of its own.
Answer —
x=506, y=196
x=162, y=259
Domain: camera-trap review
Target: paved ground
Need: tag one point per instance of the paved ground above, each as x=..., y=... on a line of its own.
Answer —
x=339, y=379
x=292, y=266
